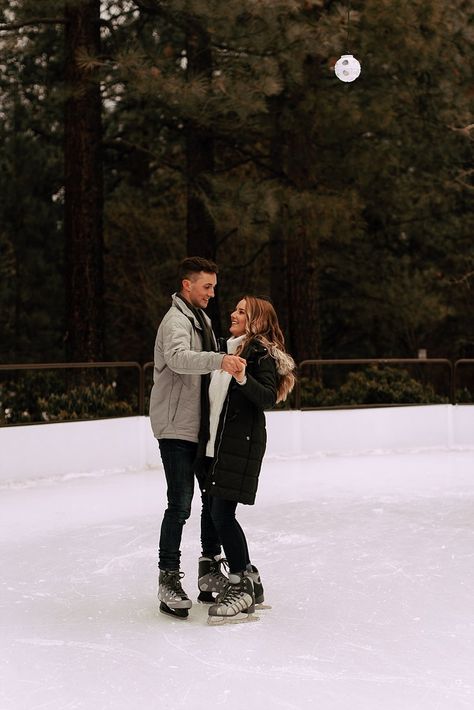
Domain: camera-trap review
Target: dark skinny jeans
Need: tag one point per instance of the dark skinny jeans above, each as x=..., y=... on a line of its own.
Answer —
x=231, y=535
x=178, y=458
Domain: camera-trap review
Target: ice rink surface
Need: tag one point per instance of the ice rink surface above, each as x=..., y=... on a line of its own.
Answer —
x=368, y=563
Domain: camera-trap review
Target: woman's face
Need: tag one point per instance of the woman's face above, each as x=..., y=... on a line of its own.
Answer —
x=238, y=319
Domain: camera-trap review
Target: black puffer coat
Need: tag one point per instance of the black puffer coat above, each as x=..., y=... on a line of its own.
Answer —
x=241, y=434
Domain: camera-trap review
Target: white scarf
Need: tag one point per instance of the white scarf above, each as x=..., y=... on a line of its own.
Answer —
x=218, y=389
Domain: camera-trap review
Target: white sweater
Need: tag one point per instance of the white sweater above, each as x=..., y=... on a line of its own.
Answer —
x=218, y=389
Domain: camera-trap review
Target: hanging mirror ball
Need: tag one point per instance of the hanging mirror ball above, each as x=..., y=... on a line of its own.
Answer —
x=347, y=68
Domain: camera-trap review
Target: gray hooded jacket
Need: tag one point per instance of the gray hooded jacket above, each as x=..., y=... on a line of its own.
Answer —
x=175, y=401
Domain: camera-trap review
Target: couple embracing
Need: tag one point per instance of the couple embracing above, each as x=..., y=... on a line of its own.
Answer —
x=207, y=412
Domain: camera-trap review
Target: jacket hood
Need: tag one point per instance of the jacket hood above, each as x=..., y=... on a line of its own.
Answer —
x=284, y=362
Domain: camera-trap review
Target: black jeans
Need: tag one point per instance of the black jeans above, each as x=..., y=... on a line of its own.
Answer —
x=178, y=458
x=231, y=535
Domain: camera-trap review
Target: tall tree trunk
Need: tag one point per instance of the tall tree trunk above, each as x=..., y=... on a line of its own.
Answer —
x=294, y=278
x=83, y=184
x=278, y=231
x=201, y=231
x=17, y=226
x=303, y=287
x=303, y=239
x=200, y=228
x=279, y=270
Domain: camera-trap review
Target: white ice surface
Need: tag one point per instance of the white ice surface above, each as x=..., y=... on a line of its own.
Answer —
x=368, y=563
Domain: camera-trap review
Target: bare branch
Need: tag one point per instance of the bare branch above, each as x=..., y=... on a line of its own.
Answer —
x=226, y=236
x=464, y=279
x=122, y=144
x=262, y=248
x=465, y=130
x=35, y=21
x=464, y=184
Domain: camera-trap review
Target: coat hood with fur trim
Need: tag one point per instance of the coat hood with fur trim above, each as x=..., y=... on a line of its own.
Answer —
x=284, y=362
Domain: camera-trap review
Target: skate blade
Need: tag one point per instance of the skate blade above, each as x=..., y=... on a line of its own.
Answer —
x=174, y=613
x=206, y=598
x=180, y=604
x=262, y=607
x=238, y=619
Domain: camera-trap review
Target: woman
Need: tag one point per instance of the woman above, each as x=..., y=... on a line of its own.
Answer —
x=237, y=439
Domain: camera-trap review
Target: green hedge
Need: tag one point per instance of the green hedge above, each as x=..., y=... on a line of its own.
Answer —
x=373, y=385
x=42, y=397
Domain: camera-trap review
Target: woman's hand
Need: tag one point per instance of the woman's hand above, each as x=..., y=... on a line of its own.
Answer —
x=240, y=375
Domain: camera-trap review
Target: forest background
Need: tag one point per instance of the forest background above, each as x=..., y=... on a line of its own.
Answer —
x=135, y=132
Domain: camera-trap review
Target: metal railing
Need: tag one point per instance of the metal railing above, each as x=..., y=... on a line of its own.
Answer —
x=452, y=371
x=87, y=366
x=459, y=363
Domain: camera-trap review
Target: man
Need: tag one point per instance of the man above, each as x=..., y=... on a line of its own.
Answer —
x=185, y=350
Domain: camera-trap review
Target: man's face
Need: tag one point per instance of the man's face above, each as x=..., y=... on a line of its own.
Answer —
x=199, y=289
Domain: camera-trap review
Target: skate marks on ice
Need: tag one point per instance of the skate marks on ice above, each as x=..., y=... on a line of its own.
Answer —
x=382, y=617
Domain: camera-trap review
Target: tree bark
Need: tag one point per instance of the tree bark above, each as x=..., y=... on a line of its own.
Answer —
x=201, y=231
x=278, y=231
x=83, y=185
x=200, y=227
x=303, y=240
x=303, y=287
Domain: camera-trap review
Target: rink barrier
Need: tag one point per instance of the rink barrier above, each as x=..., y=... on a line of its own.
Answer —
x=101, y=447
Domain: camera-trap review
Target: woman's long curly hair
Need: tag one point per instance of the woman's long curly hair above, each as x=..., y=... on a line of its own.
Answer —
x=262, y=325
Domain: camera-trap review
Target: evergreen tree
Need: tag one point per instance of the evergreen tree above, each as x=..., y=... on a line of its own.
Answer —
x=401, y=154
x=31, y=256
x=225, y=132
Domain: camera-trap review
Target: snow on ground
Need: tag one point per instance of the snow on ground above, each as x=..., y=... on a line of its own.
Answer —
x=366, y=561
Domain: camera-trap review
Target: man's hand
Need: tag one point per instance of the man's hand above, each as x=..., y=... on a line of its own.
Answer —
x=233, y=364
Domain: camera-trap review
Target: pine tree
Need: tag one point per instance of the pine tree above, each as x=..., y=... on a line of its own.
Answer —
x=82, y=158
x=31, y=291
x=226, y=131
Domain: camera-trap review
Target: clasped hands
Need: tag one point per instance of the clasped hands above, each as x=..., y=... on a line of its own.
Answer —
x=235, y=366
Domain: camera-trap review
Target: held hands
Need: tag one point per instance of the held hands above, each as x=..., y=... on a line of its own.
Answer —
x=240, y=375
x=235, y=366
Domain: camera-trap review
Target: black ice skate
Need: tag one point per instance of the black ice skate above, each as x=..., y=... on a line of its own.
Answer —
x=254, y=575
x=236, y=604
x=211, y=580
x=173, y=599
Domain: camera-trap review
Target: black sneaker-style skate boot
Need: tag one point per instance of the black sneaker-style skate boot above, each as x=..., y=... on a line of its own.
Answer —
x=211, y=579
x=254, y=575
x=236, y=603
x=173, y=599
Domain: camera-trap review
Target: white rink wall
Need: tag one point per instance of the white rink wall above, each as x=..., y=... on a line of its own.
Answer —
x=70, y=448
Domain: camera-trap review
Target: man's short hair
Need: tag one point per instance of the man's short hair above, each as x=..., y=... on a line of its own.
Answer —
x=194, y=265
